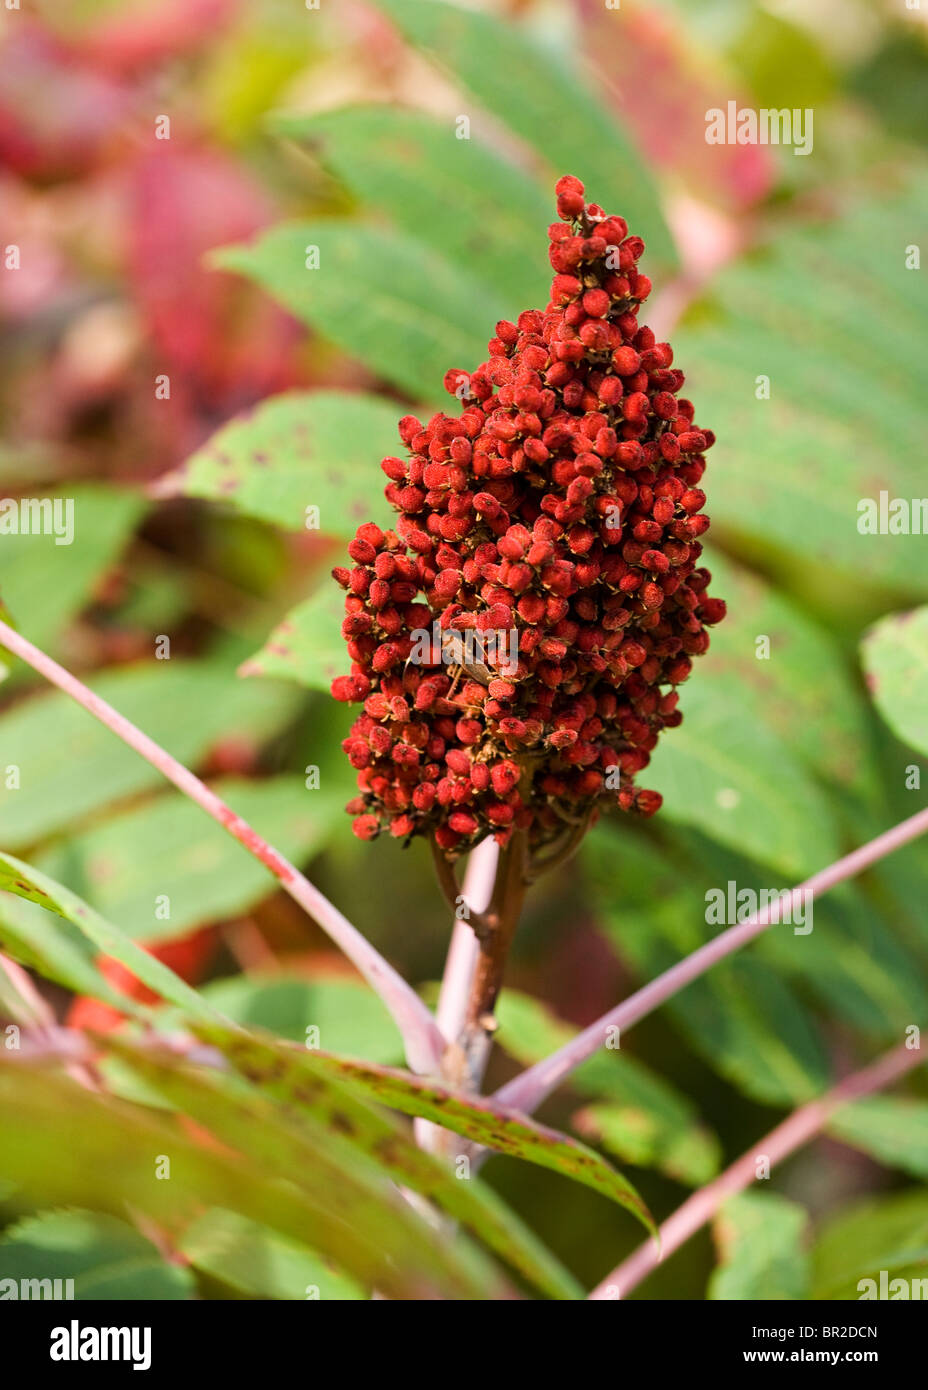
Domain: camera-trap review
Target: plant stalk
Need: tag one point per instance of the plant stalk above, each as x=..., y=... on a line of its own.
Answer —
x=527, y=1090
x=493, y=946
x=804, y=1124
x=424, y=1043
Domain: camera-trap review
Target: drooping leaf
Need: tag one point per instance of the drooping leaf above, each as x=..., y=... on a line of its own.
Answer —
x=192, y=871
x=533, y=90
x=285, y=1072
x=335, y=1130
x=760, y=1238
x=70, y=765
x=26, y=882
x=107, y=1258
x=55, y=948
x=302, y=449
x=397, y=306
x=639, y=1116
x=457, y=196
x=114, y=1151
x=895, y=660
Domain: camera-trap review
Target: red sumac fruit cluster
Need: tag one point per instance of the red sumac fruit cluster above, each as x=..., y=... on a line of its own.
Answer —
x=517, y=636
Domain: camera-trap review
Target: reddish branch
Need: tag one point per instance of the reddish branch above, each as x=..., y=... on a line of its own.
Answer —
x=804, y=1124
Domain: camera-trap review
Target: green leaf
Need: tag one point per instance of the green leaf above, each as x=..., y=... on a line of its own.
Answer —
x=47, y=584
x=457, y=196
x=740, y=783
x=302, y=449
x=335, y=1132
x=26, y=882
x=114, y=1151
x=258, y=1262
x=384, y=298
x=854, y=963
x=802, y=691
x=70, y=765
x=888, y=1234
x=285, y=1073
x=535, y=92
x=349, y=1016
x=55, y=949
x=760, y=1238
x=187, y=858
x=741, y=1017
x=895, y=660
x=644, y=1121
x=308, y=645
x=891, y=1129
x=789, y=472
x=106, y=1258
x=852, y=958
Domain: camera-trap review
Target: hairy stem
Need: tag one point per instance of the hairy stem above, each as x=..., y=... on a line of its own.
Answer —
x=795, y=1131
x=527, y=1090
x=423, y=1041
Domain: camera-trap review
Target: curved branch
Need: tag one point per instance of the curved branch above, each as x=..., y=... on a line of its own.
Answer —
x=795, y=1131
x=424, y=1043
x=527, y=1090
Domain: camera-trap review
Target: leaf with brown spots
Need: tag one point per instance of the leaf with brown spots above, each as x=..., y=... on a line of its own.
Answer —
x=314, y=1137
x=287, y=1073
x=65, y=1145
x=298, y=450
x=308, y=645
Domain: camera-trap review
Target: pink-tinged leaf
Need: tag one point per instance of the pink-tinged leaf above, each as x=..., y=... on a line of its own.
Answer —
x=123, y=35
x=79, y=115
x=662, y=84
x=223, y=344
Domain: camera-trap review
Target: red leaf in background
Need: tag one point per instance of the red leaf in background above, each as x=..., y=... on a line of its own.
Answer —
x=188, y=956
x=662, y=84
x=57, y=116
x=223, y=343
x=152, y=31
